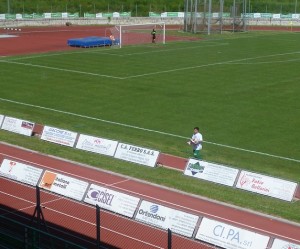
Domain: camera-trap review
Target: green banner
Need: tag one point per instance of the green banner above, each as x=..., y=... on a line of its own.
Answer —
x=88, y=15
x=10, y=16
x=125, y=14
x=107, y=14
x=154, y=14
x=56, y=15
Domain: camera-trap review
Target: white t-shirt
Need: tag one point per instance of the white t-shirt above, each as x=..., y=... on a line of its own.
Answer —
x=198, y=139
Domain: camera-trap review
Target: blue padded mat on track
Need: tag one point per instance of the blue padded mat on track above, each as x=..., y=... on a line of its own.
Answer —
x=87, y=42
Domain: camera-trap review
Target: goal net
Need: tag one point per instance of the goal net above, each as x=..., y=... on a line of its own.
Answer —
x=138, y=34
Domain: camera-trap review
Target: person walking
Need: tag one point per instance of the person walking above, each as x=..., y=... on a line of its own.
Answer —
x=196, y=142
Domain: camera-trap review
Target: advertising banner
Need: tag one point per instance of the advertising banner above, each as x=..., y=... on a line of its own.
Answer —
x=97, y=145
x=20, y=172
x=19, y=126
x=266, y=185
x=211, y=172
x=281, y=244
x=112, y=200
x=135, y=154
x=63, y=185
x=163, y=217
x=230, y=237
x=59, y=136
x=1, y=119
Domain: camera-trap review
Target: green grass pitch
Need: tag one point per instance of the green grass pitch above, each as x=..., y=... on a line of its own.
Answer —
x=241, y=89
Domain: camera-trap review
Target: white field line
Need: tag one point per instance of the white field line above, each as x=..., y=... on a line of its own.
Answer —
x=195, y=211
x=153, y=73
x=61, y=69
x=211, y=64
x=264, y=62
x=213, y=44
x=145, y=129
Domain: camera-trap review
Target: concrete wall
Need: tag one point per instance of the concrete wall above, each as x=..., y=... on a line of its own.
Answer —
x=134, y=20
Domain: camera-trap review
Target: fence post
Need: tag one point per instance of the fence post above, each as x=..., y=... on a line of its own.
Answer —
x=98, y=226
x=169, y=238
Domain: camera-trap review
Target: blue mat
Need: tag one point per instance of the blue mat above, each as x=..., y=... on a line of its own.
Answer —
x=87, y=42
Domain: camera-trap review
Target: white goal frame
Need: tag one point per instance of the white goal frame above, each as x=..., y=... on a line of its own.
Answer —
x=119, y=29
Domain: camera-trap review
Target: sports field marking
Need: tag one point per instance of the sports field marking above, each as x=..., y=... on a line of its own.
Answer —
x=61, y=69
x=148, y=74
x=98, y=51
x=265, y=62
x=208, y=65
x=145, y=129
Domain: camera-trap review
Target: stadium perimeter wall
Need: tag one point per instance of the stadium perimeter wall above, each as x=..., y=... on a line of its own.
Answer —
x=274, y=22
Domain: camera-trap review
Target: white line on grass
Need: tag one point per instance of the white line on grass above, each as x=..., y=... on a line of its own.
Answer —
x=264, y=62
x=147, y=74
x=148, y=130
x=208, y=65
x=61, y=69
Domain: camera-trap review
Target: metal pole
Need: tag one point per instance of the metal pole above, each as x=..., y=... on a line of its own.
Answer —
x=295, y=6
x=209, y=18
x=221, y=14
x=98, y=226
x=195, y=16
x=169, y=238
x=8, y=6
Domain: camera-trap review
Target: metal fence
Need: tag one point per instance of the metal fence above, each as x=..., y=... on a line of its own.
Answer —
x=44, y=220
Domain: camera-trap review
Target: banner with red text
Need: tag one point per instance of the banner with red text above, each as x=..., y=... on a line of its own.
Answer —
x=19, y=126
x=20, y=172
x=266, y=185
x=281, y=244
x=97, y=145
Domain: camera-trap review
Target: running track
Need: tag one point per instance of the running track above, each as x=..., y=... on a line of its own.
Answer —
x=128, y=233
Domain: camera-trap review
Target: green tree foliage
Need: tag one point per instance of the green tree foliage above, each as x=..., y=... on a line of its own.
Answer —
x=137, y=7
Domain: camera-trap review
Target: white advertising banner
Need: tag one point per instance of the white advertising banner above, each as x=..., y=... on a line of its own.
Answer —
x=230, y=237
x=163, y=217
x=112, y=200
x=137, y=154
x=1, y=119
x=281, y=244
x=97, y=145
x=211, y=172
x=19, y=126
x=63, y=185
x=59, y=136
x=20, y=172
x=266, y=185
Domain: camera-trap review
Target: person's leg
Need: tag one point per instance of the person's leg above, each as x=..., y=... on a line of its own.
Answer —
x=197, y=154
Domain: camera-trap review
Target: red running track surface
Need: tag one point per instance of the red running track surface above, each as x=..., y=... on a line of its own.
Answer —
x=127, y=233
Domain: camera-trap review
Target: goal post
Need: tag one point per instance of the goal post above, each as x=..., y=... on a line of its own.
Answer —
x=139, y=33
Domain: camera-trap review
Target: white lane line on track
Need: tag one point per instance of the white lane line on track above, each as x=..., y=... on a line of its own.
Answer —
x=115, y=183
x=158, y=199
x=149, y=130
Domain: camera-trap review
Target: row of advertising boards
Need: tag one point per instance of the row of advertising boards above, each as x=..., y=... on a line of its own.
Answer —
x=186, y=224
x=220, y=174
x=154, y=214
